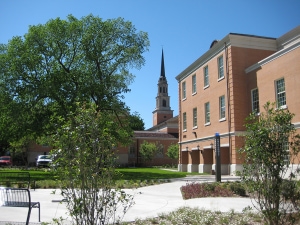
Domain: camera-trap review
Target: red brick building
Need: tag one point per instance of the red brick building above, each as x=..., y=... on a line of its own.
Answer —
x=236, y=76
x=163, y=133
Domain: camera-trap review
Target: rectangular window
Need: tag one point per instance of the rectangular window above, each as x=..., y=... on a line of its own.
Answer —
x=222, y=107
x=194, y=86
x=220, y=68
x=280, y=93
x=184, y=121
x=194, y=117
x=131, y=151
x=255, y=100
x=206, y=76
x=183, y=90
x=207, y=112
x=285, y=147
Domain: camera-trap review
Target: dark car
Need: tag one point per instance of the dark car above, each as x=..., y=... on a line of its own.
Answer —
x=44, y=161
x=5, y=161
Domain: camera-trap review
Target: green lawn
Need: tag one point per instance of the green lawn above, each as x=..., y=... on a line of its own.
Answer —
x=148, y=174
x=124, y=174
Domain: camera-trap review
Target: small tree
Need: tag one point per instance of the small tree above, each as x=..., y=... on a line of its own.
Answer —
x=173, y=151
x=271, y=147
x=85, y=161
x=147, y=151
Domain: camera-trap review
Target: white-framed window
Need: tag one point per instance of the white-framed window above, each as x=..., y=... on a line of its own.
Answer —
x=184, y=121
x=206, y=76
x=280, y=93
x=194, y=84
x=183, y=90
x=194, y=117
x=220, y=68
x=285, y=147
x=255, y=100
x=222, y=107
x=132, y=151
x=207, y=112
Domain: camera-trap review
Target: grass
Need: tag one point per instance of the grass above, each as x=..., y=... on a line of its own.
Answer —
x=148, y=174
x=126, y=178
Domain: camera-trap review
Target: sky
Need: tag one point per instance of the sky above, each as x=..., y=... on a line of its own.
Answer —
x=184, y=29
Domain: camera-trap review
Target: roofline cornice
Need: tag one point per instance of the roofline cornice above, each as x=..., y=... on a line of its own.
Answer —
x=273, y=57
x=232, y=39
x=215, y=50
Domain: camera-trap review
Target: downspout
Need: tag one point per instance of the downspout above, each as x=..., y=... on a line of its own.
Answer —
x=228, y=106
x=179, y=128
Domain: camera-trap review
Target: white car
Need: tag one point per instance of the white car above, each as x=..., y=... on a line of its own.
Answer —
x=44, y=161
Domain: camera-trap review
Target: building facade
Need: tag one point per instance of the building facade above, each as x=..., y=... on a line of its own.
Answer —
x=235, y=77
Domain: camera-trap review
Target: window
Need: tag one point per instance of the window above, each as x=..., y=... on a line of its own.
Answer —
x=285, y=147
x=184, y=121
x=222, y=107
x=280, y=93
x=194, y=87
x=206, y=77
x=131, y=151
x=183, y=90
x=255, y=100
x=220, y=68
x=194, y=117
x=160, y=150
x=207, y=112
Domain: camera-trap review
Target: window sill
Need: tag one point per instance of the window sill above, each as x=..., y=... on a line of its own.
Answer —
x=195, y=127
x=194, y=93
x=184, y=130
x=205, y=87
x=222, y=119
x=207, y=124
x=183, y=99
x=283, y=107
x=222, y=78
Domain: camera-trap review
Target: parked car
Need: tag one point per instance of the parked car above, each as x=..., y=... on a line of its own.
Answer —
x=44, y=161
x=5, y=161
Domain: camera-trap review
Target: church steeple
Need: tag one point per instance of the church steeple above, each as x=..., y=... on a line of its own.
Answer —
x=163, y=110
x=162, y=67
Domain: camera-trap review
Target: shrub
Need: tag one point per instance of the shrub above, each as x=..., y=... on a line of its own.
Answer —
x=200, y=190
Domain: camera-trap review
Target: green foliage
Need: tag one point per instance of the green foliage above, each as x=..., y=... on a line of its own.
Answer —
x=271, y=146
x=136, y=122
x=55, y=65
x=85, y=162
x=147, y=150
x=173, y=151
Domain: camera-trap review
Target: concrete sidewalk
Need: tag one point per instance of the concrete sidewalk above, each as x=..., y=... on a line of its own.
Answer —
x=149, y=201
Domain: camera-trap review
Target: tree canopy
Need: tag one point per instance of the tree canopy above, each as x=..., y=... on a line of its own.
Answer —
x=57, y=64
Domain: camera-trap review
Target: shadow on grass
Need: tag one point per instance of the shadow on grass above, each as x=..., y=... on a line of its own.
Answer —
x=147, y=174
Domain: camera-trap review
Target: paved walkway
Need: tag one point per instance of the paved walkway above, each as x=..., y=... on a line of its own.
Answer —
x=150, y=201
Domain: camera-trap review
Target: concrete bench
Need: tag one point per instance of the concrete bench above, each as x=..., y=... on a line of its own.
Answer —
x=18, y=197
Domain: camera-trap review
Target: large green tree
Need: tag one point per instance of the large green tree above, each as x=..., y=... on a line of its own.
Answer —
x=57, y=64
x=271, y=154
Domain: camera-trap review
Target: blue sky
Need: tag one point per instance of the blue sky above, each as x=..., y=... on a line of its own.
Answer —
x=183, y=28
